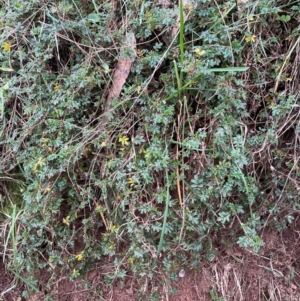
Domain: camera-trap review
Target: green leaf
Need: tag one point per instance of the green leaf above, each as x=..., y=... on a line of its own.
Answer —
x=285, y=18
x=65, y=6
x=93, y=17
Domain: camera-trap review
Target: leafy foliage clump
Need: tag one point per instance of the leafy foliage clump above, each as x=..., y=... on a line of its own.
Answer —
x=183, y=154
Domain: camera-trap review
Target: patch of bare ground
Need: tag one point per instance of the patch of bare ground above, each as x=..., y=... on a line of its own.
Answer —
x=236, y=274
x=193, y=286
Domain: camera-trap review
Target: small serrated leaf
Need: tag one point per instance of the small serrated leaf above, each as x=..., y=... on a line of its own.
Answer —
x=93, y=17
x=285, y=18
x=65, y=6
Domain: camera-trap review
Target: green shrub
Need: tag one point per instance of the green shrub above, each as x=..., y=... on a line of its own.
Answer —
x=183, y=153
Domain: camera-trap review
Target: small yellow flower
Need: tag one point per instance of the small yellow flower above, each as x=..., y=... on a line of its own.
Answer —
x=6, y=46
x=147, y=154
x=44, y=142
x=130, y=260
x=56, y=87
x=131, y=182
x=66, y=220
x=111, y=245
x=114, y=228
x=142, y=150
x=103, y=144
x=79, y=256
x=251, y=18
x=87, y=150
x=140, y=53
x=289, y=38
x=190, y=6
x=138, y=89
x=148, y=15
x=124, y=140
x=99, y=209
x=40, y=162
x=57, y=112
x=250, y=38
x=288, y=79
x=199, y=52
x=75, y=273
x=47, y=189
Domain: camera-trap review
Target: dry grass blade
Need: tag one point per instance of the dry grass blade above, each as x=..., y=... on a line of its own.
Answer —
x=292, y=48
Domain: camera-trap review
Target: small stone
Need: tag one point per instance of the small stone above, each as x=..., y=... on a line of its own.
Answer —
x=181, y=273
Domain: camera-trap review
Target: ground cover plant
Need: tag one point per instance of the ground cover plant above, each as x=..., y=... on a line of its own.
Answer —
x=135, y=133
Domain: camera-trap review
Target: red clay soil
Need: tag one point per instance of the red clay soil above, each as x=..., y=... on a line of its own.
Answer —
x=235, y=274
